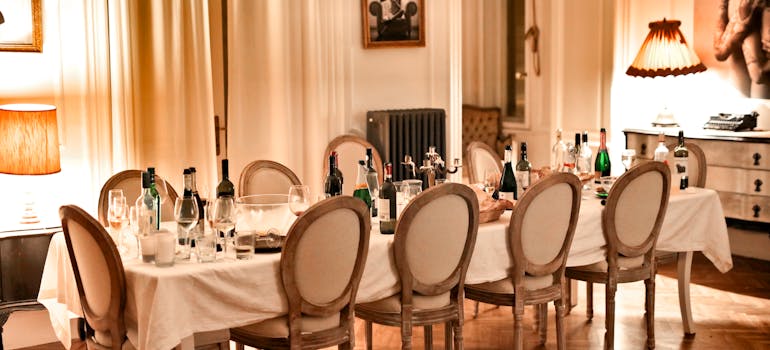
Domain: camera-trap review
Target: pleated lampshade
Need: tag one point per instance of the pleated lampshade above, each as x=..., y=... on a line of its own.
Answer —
x=29, y=139
x=665, y=52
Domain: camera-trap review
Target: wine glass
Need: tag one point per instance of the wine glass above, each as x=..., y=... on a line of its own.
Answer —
x=162, y=189
x=299, y=199
x=117, y=216
x=133, y=223
x=186, y=216
x=491, y=180
x=223, y=212
x=627, y=158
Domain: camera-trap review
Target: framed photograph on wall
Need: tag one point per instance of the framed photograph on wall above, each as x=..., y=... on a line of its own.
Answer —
x=393, y=23
x=21, y=27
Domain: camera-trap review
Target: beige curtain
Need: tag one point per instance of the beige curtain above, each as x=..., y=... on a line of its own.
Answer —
x=484, y=52
x=287, y=62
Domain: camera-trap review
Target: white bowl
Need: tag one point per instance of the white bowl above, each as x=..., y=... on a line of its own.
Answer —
x=264, y=212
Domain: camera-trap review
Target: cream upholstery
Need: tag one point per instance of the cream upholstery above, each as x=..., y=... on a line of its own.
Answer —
x=392, y=304
x=279, y=327
x=696, y=171
x=266, y=177
x=481, y=159
x=326, y=256
x=637, y=209
x=545, y=224
x=435, y=236
x=505, y=286
x=350, y=149
x=130, y=181
x=94, y=273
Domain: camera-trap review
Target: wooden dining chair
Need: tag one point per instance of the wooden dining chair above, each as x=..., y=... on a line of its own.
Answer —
x=631, y=221
x=350, y=149
x=101, y=283
x=539, y=235
x=432, y=248
x=266, y=177
x=696, y=171
x=322, y=262
x=130, y=181
x=480, y=158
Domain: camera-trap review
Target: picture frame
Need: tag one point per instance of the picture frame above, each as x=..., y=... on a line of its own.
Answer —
x=393, y=23
x=22, y=25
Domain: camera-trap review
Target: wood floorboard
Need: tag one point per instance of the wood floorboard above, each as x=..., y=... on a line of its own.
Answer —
x=731, y=311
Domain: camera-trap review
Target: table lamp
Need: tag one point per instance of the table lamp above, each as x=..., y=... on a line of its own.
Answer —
x=29, y=145
x=665, y=52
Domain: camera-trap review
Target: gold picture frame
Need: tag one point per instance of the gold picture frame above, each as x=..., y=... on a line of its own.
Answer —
x=22, y=27
x=393, y=23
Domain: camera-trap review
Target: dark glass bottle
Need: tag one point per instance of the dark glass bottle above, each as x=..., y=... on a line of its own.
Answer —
x=333, y=183
x=337, y=170
x=361, y=190
x=372, y=180
x=602, y=164
x=681, y=158
x=155, y=196
x=198, y=230
x=225, y=187
x=523, y=170
x=507, y=188
x=387, y=204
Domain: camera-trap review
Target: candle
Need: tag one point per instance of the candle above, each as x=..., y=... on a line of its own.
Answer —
x=147, y=244
x=164, y=245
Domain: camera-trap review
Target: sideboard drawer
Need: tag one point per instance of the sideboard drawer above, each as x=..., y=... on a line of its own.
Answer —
x=744, y=155
x=743, y=207
x=753, y=182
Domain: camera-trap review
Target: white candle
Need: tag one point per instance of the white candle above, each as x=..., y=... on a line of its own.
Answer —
x=165, y=244
x=147, y=247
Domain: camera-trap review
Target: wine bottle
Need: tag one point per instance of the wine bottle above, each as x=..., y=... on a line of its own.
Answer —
x=661, y=152
x=507, y=188
x=147, y=217
x=602, y=163
x=387, y=202
x=337, y=170
x=156, y=196
x=361, y=190
x=558, y=152
x=225, y=187
x=333, y=183
x=199, y=227
x=183, y=236
x=372, y=181
x=570, y=161
x=523, y=170
x=585, y=156
x=681, y=157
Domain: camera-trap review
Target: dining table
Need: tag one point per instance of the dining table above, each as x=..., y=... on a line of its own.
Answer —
x=166, y=306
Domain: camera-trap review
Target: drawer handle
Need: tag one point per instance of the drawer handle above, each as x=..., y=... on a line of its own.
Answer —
x=758, y=183
x=756, y=157
x=644, y=149
x=755, y=208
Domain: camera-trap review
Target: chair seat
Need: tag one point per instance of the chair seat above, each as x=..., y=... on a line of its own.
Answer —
x=392, y=304
x=505, y=286
x=102, y=340
x=279, y=327
x=624, y=263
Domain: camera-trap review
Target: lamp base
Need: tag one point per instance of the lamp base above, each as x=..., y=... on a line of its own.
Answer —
x=29, y=216
x=665, y=119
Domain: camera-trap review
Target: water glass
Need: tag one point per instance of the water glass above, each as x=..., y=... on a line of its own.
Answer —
x=244, y=244
x=186, y=216
x=299, y=199
x=206, y=246
x=165, y=248
x=627, y=157
x=491, y=180
x=222, y=216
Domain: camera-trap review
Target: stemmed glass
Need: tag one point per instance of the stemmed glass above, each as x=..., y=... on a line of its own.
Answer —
x=299, y=199
x=117, y=216
x=133, y=220
x=627, y=157
x=491, y=180
x=223, y=218
x=186, y=216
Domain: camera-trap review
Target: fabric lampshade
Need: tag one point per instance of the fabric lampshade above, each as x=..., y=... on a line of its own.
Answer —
x=29, y=139
x=665, y=52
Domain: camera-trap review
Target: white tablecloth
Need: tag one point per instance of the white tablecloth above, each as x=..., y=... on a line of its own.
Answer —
x=166, y=305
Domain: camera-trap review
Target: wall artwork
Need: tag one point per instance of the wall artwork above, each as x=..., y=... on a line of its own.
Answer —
x=21, y=27
x=389, y=23
x=728, y=39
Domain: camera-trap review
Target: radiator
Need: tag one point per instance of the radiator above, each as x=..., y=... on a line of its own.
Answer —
x=395, y=133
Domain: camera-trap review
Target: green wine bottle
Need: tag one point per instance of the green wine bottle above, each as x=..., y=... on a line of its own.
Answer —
x=602, y=164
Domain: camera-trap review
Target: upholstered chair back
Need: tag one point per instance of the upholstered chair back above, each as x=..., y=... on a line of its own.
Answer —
x=696, y=171
x=435, y=237
x=635, y=209
x=543, y=224
x=480, y=158
x=130, y=181
x=350, y=149
x=98, y=273
x=266, y=177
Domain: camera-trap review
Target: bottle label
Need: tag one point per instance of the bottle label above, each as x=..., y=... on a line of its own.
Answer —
x=383, y=209
x=506, y=195
x=522, y=179
x=680, y=163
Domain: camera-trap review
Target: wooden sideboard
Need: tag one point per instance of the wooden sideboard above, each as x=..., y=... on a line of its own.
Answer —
x=737, y=163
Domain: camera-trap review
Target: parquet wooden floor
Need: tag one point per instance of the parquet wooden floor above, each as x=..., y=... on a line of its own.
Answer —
x=731, y=311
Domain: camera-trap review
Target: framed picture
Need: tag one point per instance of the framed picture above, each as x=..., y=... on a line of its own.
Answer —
x=392, y=23
x=21, y=27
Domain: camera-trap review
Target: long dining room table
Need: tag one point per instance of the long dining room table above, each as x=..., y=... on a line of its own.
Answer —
x=166, y=306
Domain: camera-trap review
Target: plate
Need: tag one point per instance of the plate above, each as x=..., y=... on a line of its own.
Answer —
x=601, y=195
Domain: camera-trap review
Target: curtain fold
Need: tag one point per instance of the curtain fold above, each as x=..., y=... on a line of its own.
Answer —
x=484, y=53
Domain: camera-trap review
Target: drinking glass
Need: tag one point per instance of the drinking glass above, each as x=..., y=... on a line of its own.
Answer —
x=223, y=218
x=299, y=199
x=186, y=216
x=491, y=180
x=627, y=157
x=117, y=216
x=133, y=223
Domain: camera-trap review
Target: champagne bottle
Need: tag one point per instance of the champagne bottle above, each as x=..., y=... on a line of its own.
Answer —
x=199, y=227
x=602, y=163
x=661, y=152
x=681, y=156
x=585, y=156
x=387, y=202
x=225, y=187
x=337, y=170
x=333, y=183
x=508, y=180
x=372, y=181
x=361, y=190
x=558, y=153
x=147, y=217
x=183, y=236
x=156, y=196
x=523, y=170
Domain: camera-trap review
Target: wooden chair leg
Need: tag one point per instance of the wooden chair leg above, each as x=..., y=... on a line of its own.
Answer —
x=406, y=336
x=589, y=301
x=561, y=336
x=457, y=329
x=609, y=324
x=448, y=336
x=649, y=308
x=475, y=309
x=567, y=295
x=518, y=315
x=345, y=346
x=368, y=334
x=542, y=326
x=239, y=346
x=428, y=335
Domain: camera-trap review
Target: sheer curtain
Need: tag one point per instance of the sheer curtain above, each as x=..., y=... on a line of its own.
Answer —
x=288, y=63
x=484, y=52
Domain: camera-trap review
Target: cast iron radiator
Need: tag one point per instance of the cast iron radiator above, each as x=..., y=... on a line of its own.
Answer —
x=398, y=132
